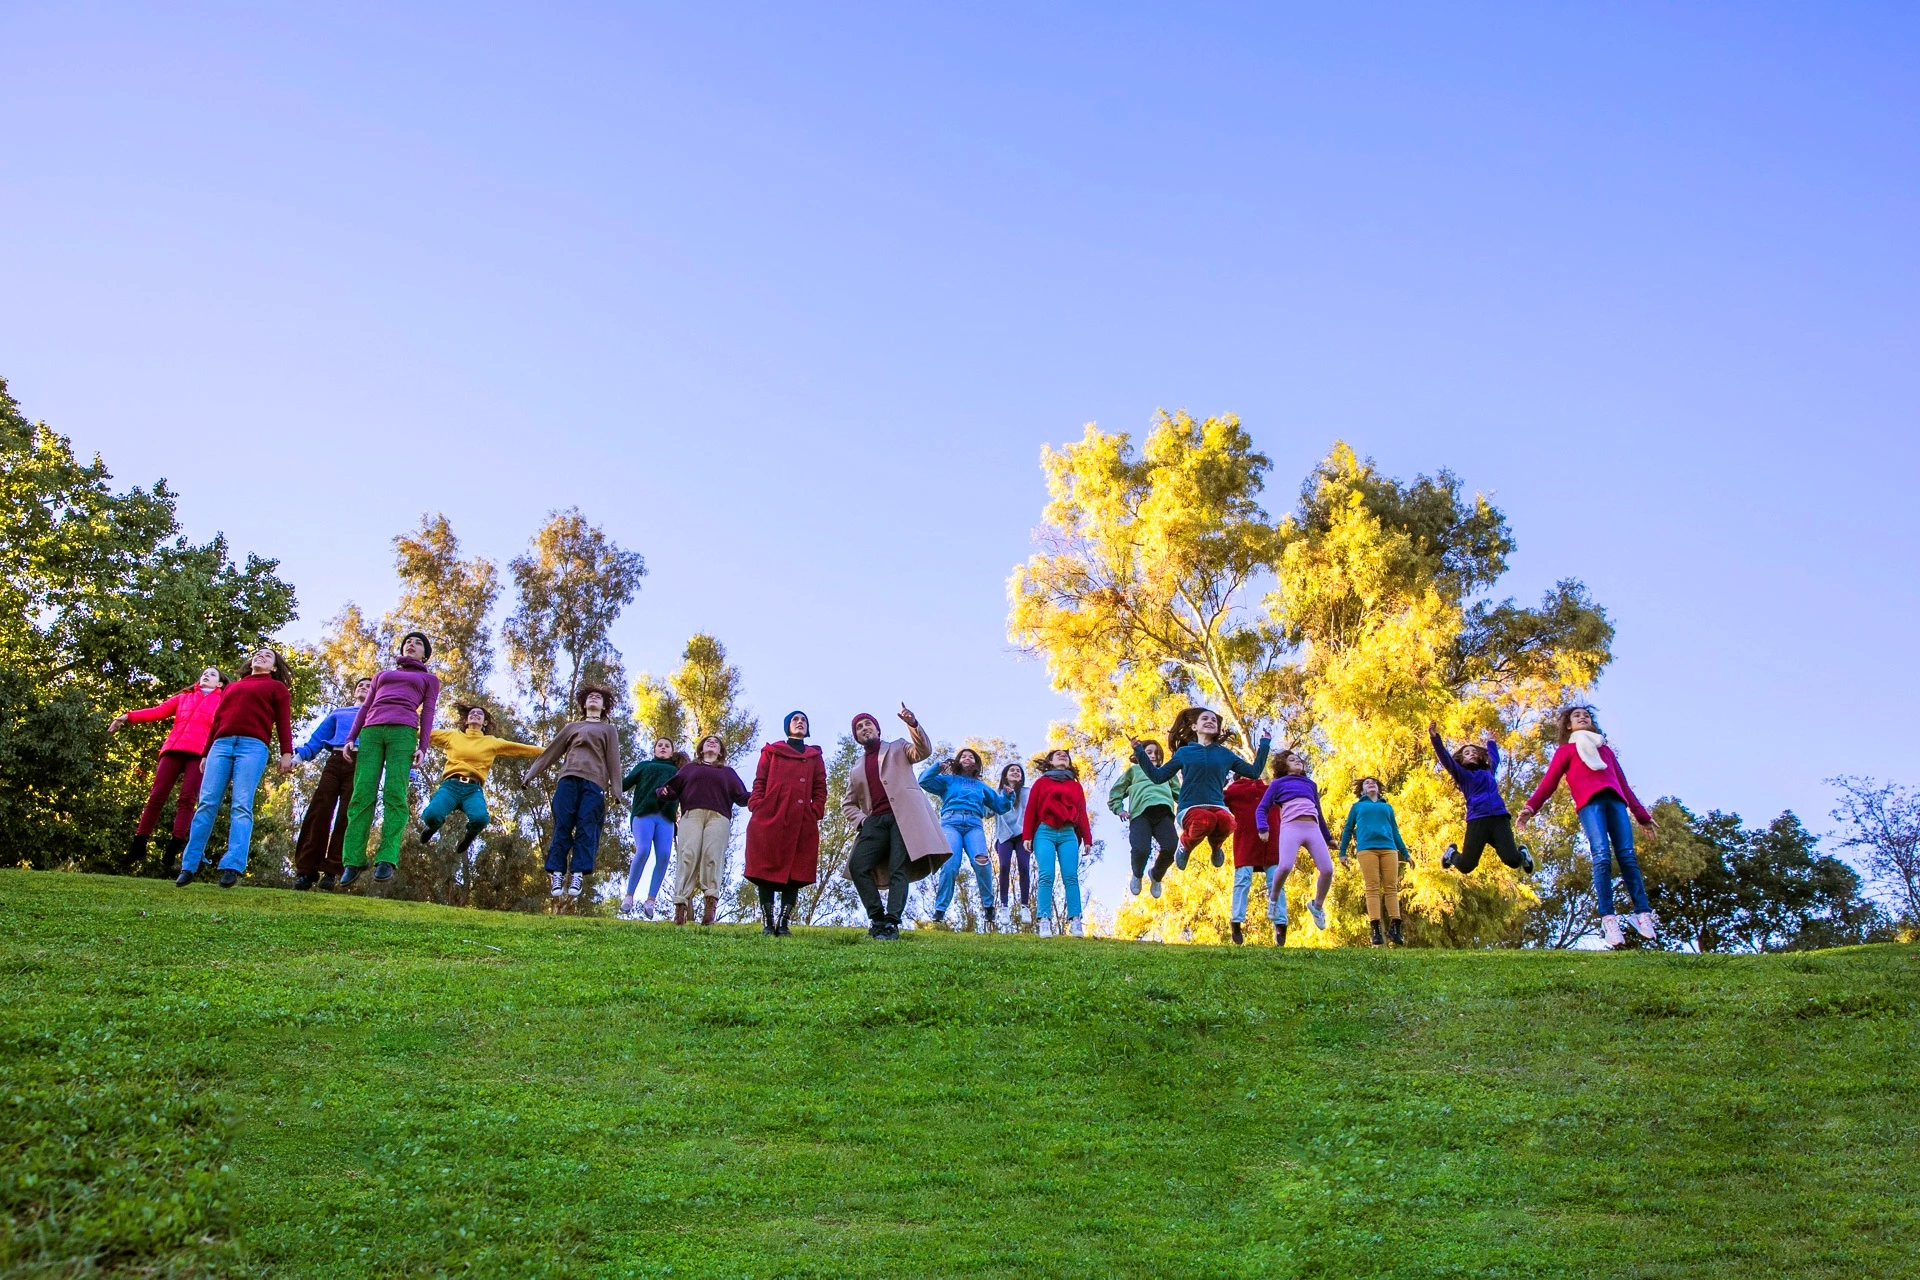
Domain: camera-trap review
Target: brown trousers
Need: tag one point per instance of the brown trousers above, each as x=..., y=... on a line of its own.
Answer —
x=324, y=830
x=1380, y=870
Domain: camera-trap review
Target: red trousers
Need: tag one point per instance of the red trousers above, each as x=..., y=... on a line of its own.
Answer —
x=323, y=832
x=1208, y=824
x=172, y=766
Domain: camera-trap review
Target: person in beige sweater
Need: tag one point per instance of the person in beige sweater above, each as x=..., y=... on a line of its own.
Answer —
x=588, y=753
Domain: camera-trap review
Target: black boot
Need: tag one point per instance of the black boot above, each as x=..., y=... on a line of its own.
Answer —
x=893, y=929
x=428, y=833
x=229, y=878
x=184, y=879
x=877, y=928
x=350, y=874
x=326, y=882
x=1526, y=858
x=783, y=926
x=1280, y=935
x=1378, y=939
x=766, y=917
x=383, y=871
x=176, y=845
x=303, y=882
x=1239, y=936
x=467, y=837
x=1398, y=938
x=137, y=848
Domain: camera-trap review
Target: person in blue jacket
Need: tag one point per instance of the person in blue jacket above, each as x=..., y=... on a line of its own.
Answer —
x=323, y=832
x=1475, y=769
x=965, y=802
x=1203, y=766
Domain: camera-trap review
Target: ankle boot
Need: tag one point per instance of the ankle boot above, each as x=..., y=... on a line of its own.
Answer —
x=1394, y=934
x=137, y=848
x=1280, y=935
x=767, y=926
x=1379, y=940
x=1239, y=936
x=782, y=927
x=712, y=909
x=467, y=838
x=679, y=913
x=176, y=845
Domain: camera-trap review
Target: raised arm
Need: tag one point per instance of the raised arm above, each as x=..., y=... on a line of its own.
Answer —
x=502, y=747
x=919, y=747
x=931, y=779
x=1157, y=772
x=996, y=801
x=1447, y=762
x=1259, y=763
x=146, y=715
x=555, y=749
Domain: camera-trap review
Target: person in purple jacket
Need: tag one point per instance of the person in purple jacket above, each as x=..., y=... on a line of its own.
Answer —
x=1303, y=825
x=1475, y=770
x=389, y=736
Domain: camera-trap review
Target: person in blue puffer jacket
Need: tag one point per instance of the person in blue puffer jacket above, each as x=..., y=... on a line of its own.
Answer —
x=965, y=802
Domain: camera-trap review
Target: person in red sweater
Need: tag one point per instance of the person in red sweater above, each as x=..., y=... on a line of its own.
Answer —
x=1601, y=794
x=191, y=711
x=1253, y=850
x=252, y=710
x=1056, y=827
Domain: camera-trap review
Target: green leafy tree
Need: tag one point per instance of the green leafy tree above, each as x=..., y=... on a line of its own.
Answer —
x=572, y=584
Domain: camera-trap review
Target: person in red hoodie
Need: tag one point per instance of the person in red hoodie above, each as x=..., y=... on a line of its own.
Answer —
x=1601, y=794
x=1253, y=851
x=252, y=710
x=191, y=711
x=1056, y=828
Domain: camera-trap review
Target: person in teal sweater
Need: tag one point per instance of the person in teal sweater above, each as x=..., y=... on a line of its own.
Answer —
x=1146, y=807
x=1373, y=829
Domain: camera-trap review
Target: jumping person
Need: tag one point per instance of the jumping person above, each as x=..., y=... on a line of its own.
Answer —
x=323, y=832
x=191, y=711
x=1009, y=841
x=706, y=790
x=388, y=738
x=1057, y=828
x=471, y=750
x=252, y=710
x=1372, y=827
x=1146, y=807
x=588, y=753
x=1475, y=770
x=1604, y=800
x=1203, y=765
x=899, y=838
x=1254, y=850
x=783, y=832
x=965, y=804
x=1302, y=825
x=651, y=821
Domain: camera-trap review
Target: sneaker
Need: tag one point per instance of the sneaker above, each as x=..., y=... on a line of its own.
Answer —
x=1239, y=935
x=1156, y=889
x=626, y=905
x=1046, y=927
x=229, y=878
x=383, y=871
x=573, y=884
x=1643, y=924
x=303, y=882
x=1526, y=859
x=1610, y=929
x=1077, y=927
x=1180, y=858
x=1379, y=939
x=1395, y=935
x=1219, y=856
x=939, y=919
x=182, y=880
x=1319, y=914
x=878, y=929
x=326, y=882
x=1133, y=886
x=350, y=874
x=1446, y=859
x=555, y=884
x=648, y=907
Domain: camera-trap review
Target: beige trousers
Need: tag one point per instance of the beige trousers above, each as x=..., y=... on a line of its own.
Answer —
x=699, y=854
x=1380, y=873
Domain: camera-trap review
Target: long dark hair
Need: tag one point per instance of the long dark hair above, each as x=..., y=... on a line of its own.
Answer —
x=281, y=671
x=1019, y=790
x=1566, y=720
x=1184, y=732
x=977, y=764
x=1043, y=762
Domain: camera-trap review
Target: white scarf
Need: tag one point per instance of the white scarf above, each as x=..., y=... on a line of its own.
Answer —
x=1588, y=744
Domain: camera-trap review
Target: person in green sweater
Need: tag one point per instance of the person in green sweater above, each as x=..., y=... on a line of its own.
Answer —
x=1372, y=827
x=1146, y=807
x=652, y=822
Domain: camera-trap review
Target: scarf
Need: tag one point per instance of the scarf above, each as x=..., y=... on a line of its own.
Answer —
x=1588, y=744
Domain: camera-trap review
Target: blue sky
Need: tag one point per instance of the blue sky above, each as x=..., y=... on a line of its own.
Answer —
x=790, y=299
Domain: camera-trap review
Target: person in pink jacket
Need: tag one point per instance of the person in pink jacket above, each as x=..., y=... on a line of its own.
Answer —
x=1601, y=794
x=191, y=711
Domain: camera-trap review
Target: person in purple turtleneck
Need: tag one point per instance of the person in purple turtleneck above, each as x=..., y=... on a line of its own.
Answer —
x=389, y=736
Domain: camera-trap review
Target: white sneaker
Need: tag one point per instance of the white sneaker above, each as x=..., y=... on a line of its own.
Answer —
x=1133, y=886
x=1076, y=928
x=1046, y=927
x=556, y=882
x=1610, y=928
x=1156, y=889
x=648, y=907
x=573, y=884
x=626, y=905
x=1643, y=924
x=1319, y=914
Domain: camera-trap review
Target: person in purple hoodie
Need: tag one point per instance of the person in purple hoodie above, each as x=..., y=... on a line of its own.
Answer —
x=1475, y=770
x=1303, y=825
x=389, y=736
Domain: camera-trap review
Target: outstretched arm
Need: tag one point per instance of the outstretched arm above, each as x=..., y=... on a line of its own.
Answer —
x=1157, y=772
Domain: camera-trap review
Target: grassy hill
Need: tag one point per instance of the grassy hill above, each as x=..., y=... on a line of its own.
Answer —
x=259, y=1082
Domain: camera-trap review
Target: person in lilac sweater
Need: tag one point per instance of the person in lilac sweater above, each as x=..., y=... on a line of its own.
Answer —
x=389, y=736
x=1475, y=770
x=1302, y=825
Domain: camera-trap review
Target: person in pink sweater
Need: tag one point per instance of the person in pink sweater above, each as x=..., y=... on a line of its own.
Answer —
x=1601, y=794
x=191, y=711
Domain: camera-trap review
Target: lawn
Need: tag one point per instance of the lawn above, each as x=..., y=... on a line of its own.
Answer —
x=259, y=1082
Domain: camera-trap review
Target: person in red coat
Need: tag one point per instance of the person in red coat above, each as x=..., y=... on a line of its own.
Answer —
x=783, y=835
x=191, y=711
x=1056, y=826
x=1252, y=851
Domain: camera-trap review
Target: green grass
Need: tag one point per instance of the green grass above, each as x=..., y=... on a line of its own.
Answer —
x=258, y=1082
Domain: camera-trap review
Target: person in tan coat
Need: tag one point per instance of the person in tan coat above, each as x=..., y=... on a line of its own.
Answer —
x=588, y=753
x=899, y=840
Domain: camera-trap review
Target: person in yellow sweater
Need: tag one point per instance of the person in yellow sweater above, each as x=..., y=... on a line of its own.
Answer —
x=471, y=751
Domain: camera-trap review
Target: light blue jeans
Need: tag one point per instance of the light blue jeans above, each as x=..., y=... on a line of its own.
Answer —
x=1609, y=831
x=653, y=834
x=242, y=762
x=968, y=840
x=1243, y=889
x=1062, y=845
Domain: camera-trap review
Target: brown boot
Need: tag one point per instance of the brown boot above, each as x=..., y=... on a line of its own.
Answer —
x=713, y=909
x=679, y=913
x=1279, y=935
x=1238, y=936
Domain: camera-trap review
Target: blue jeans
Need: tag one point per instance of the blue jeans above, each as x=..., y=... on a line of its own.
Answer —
x=1243, y=889
x=1609, y=831
x=1062, y=845
x=652, y=833
x=579, y=807
x=243, y=762
x=968, y=840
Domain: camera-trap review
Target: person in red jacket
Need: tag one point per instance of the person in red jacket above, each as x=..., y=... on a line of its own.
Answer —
x=191, y=710
x=1601, y=794
x=1253, y=850
x=783, y=834
x=1056, y=827
x=253, y=709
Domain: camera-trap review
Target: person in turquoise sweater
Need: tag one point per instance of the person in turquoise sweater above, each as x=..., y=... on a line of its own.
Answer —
x=1375, y=832
x=965, y=803
x=1146, y=807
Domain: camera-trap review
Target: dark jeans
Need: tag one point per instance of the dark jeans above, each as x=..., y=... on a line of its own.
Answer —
x=579, y=807
x=880, y=844
x=1609, y=831
x=1009, y=851
x=1481, y=832
x=323, y=832
x=172, y=766
x=1155, y=826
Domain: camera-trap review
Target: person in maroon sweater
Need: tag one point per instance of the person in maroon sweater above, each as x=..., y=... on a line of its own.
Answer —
x=252, y=710
x=1057, y=828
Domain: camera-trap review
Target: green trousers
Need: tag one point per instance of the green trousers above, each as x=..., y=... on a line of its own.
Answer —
x=384, y=749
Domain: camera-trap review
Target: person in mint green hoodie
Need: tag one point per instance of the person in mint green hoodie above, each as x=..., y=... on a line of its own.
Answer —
x=1373, y=829
x=1146, y=807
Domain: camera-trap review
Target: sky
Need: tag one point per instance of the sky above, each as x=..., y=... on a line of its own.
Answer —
x=789, y=299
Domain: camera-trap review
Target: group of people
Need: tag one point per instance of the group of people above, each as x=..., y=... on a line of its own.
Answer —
x=909, y=825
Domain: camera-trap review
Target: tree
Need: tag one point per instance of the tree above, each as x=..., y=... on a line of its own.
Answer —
x=103, y=605
x=573, y=583
x=700, y=698
x=1882, y=820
